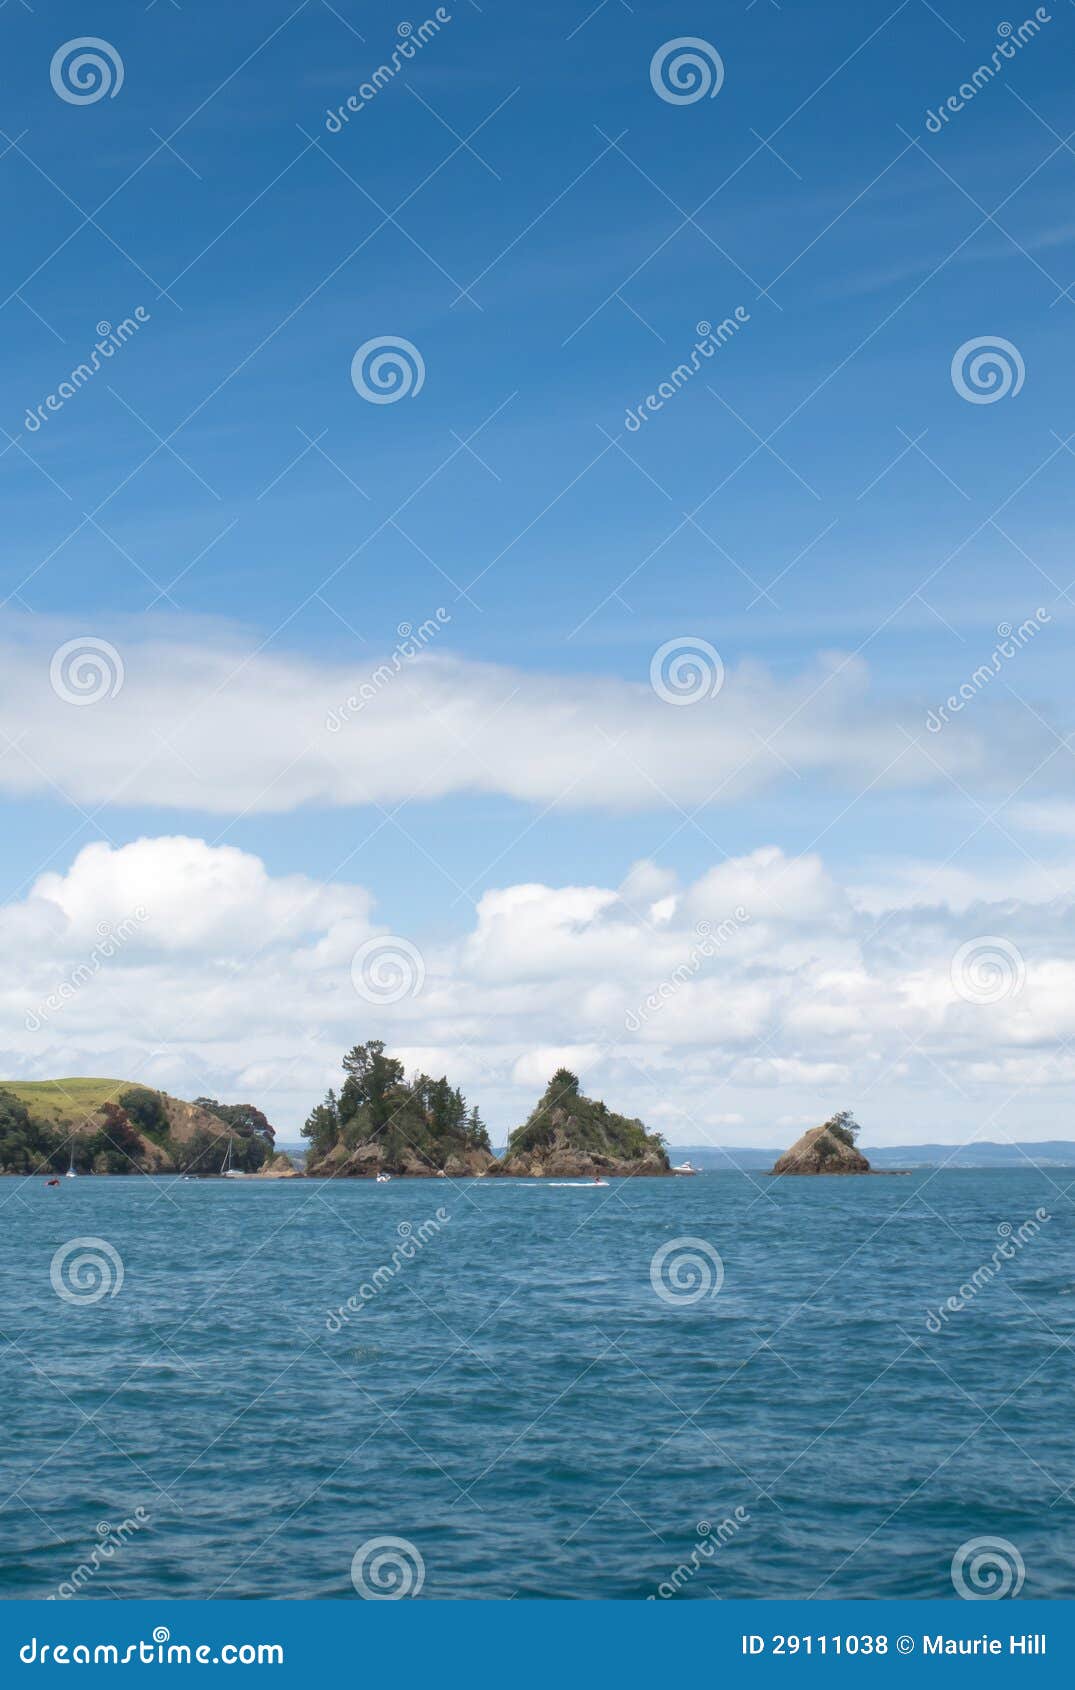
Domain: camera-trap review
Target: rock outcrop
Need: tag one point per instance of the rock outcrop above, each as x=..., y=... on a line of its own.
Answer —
x=828, y=1149
x=569, y=1136
x=279, y=1166
x=403, y=1161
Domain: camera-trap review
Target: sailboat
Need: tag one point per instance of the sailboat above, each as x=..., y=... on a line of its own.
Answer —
x=226, y=1169
x=70, y=1174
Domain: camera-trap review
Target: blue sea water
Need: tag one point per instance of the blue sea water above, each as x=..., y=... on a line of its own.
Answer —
x=512, y=1396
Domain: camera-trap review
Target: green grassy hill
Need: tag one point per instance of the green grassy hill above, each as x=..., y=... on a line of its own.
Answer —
x=120, y=1126
x=60, y=1100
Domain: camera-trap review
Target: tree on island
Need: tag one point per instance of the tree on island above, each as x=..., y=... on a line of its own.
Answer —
x=563, y=1086
x=844, y=1127
x=374, y=1085
x=145, y=1110
x=246, y=1118
x=116, y=1147
x=252, y=1137
x=322, y=1125
x=378, y=1104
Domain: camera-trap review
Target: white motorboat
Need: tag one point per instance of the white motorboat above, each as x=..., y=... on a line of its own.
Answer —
x=685, y=1169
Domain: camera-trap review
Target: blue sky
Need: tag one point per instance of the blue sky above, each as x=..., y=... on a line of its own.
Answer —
x=819, y=488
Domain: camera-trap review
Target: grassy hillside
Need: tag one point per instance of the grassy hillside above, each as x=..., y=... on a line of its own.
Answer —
x=119, y=1126
x=61, y=1100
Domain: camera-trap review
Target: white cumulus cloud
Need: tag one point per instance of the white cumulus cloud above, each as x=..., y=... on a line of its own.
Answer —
x=717, y=1010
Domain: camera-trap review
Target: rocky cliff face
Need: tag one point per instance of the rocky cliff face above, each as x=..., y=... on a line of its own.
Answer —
x=368, y=1160
x=822, y=1151
x=187, y=1120
x=569, y=1136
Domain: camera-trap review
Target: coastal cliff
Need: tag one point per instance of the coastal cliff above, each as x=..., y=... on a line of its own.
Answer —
x=828, y=1149
x=569, y=1136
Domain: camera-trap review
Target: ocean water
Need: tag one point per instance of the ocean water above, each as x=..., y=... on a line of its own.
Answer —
x=512, y=1398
